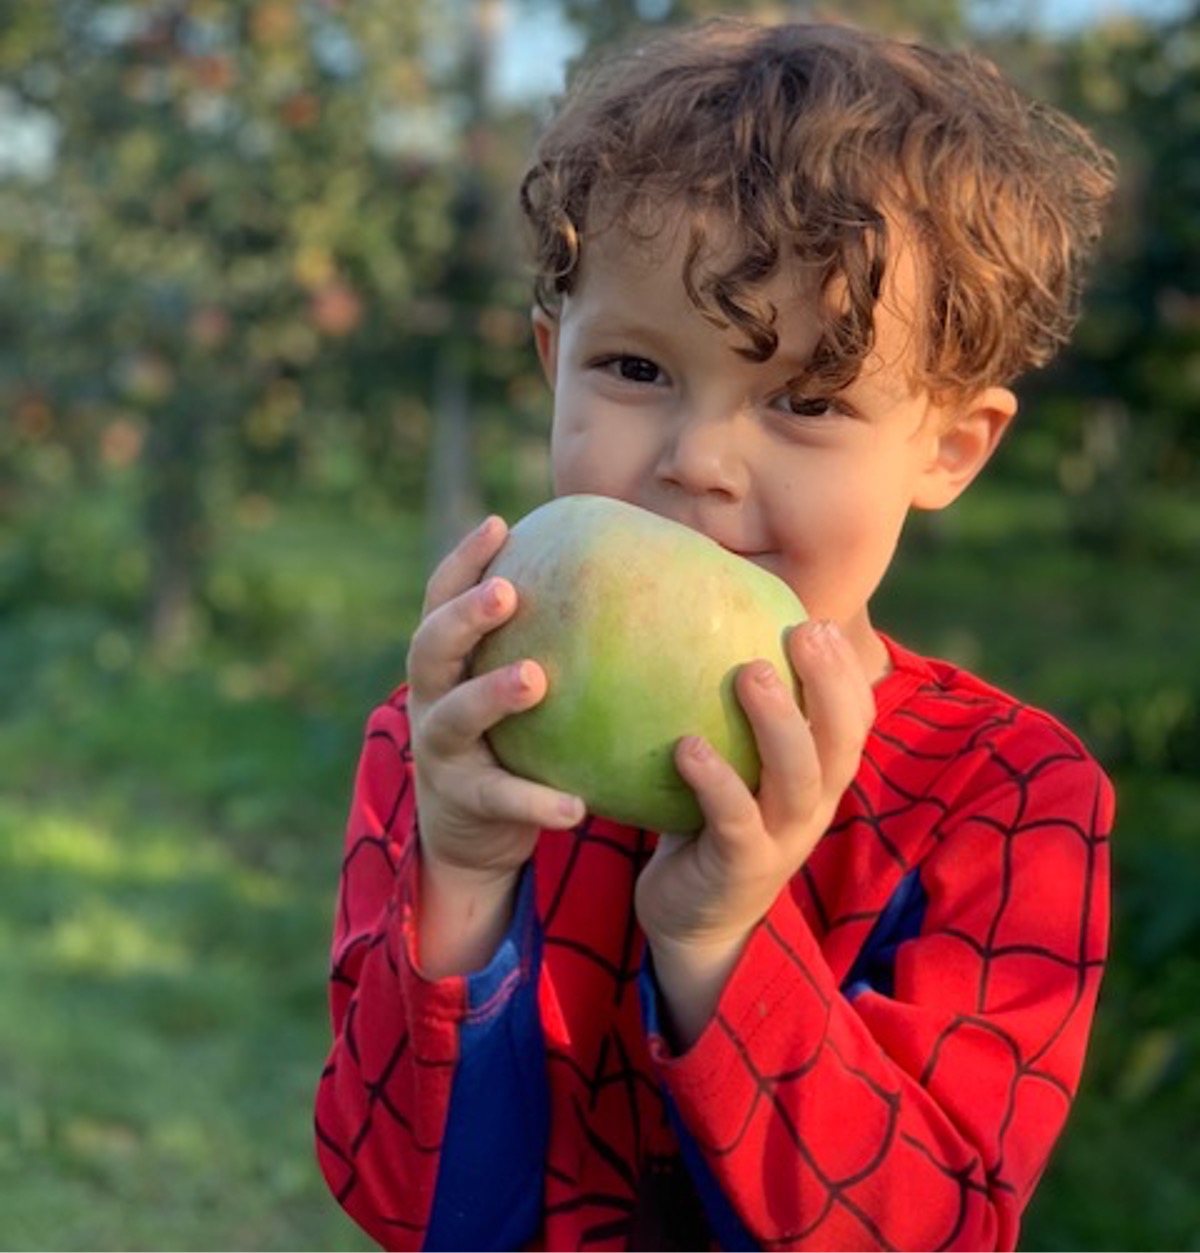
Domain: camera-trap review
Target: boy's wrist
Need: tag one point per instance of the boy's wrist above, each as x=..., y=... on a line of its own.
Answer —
x=690, y=977
x=463, y=914
x=453, y=876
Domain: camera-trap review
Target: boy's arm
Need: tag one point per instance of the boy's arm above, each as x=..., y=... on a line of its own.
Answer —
x=415, y=1061
x=920, y=1114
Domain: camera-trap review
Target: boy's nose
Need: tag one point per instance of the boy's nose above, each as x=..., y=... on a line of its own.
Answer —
x=705, y=456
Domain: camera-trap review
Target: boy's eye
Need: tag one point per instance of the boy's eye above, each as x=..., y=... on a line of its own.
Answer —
x=807, y=406
x=635, y=369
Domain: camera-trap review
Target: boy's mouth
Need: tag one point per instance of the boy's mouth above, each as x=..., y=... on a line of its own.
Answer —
x=745, y=555
x=737, y=549
x=765, y=559
x=733, y=545
x=750, y=553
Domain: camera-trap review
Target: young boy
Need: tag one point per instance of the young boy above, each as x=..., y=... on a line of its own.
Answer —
x=786, y=276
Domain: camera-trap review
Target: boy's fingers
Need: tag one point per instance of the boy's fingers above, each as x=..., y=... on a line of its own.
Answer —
x=503, y=797
x=791, y=786
x=839, y=703
x=465, y=563
x=470, y=709
x=728, y=807
x=444, y=640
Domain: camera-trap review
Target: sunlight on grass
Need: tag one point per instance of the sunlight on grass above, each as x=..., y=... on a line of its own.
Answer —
x=90, y=850
x=101, y=939
x=163, y=1026
x=79, y=846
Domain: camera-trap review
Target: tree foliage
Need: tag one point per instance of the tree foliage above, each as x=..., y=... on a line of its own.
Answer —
x=1141, y=342
x=225, y=272
x=1116, y=414
x=249, y=246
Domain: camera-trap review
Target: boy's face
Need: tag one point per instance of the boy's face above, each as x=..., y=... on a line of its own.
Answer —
x=653, y=405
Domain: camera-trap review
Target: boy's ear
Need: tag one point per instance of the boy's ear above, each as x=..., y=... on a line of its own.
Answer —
x=545, y=336
x=968, y=436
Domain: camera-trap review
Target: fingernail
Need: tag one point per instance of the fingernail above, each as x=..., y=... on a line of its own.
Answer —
x=495, y=595
x=763, y=673
x=697, y=749
x=521, y=675
x=571, y=808
x=487, y=524
x=821, y=634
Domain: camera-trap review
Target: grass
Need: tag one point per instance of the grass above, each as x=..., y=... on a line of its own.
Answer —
x=170, y=836
x=157, y=1004
x=168, y=844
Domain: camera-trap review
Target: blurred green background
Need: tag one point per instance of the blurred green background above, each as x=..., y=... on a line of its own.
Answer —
x=263, y=353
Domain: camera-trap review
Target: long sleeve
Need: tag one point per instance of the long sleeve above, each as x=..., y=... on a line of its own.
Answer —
x=889, y=1065
x=917, y=1110
x=428, y=1084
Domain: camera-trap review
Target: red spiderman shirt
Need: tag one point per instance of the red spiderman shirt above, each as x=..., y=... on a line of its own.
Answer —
x=889, y=1065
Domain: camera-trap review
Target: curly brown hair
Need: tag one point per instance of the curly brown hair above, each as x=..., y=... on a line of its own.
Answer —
x=806, y=139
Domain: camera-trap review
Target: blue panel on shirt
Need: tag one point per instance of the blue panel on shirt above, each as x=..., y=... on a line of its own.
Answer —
x=901, y=919
x=489, y=1189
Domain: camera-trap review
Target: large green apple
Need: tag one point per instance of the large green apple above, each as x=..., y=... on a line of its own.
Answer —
x=640, y=624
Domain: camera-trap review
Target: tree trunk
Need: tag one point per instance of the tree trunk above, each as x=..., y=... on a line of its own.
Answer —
x=174, y=527
x=452, y=503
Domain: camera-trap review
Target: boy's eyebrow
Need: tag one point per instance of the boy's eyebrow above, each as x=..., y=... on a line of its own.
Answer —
x=624, y=325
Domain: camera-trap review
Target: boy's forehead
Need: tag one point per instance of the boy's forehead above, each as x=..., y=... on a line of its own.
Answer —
x=668, y=240
x=693, y=245
x=640, y=230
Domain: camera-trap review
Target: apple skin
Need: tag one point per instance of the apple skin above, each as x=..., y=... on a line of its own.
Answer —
x=640, y=624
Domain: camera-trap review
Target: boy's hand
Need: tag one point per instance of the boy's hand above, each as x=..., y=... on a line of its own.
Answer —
x=699, y=898
x=478, y=823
